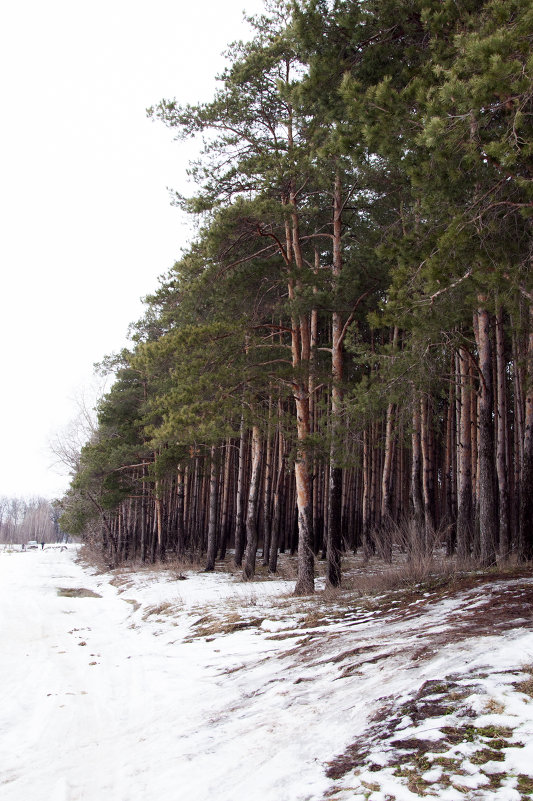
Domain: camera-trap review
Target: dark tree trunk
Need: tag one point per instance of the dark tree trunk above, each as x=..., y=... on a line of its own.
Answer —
x=502, y=465
x=488, y=508
x=212, y=525
x=418, y=545
x=464, y=462
x=525, y=531
x=239, y=512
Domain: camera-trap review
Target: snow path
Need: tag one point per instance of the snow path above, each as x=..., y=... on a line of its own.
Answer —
x=91, y=708
x=136, y=695
x=76, y=685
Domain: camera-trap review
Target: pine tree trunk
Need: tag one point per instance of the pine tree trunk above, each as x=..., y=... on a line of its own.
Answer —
x=301, y=351
x=525, y=530
x=518, y=431
x=224, y=525
x=427, y=477
x=374, y=481
x=143, y=515
x=449, y=475
x=251, y=511
x=267, y=489
x=180, y=544
x=159, y=549
x=418, y=545
x=305, y=583
x=387, y=514
x=334, y=530
x=212, y=524
x=386, y=478
x=386, y=484
x=502, y=465
x=278, y=500
x=464, y=462
x=365, y=513
x=488, y=513
x=239, y=504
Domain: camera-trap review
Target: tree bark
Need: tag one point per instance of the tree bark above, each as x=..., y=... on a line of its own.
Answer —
x=239, y=503
x=502, y=466
x=212, y=525
x=278, y=500
x=418, y=545
x=464, y=462
x=267, y=489
x=368, y=548
x=224, y=524
x=525, y=530
x=488, y=513
x=427, y=477
x=334, y=530
x=251, y=511
x=301, y=349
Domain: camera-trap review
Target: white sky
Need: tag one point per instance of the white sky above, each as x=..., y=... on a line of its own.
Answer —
x=86, y=224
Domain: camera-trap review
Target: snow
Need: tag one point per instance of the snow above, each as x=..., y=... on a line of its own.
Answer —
x=162, y=685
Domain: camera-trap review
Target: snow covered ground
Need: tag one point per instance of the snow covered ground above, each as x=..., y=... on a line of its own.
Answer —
x=140, y=685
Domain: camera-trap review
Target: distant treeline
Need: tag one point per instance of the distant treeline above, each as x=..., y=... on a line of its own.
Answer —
x=24, y=519
x=343, y=358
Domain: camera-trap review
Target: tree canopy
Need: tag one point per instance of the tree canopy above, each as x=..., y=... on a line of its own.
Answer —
x=343, y=357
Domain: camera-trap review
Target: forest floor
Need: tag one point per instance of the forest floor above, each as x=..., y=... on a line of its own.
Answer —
x=177, y=685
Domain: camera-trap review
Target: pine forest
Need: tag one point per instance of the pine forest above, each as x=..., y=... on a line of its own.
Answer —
x=342, y=358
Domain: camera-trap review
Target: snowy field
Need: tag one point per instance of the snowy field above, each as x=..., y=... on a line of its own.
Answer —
x=144, y=686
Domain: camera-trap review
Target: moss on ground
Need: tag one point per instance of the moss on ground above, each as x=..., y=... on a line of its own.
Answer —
x=411, y=758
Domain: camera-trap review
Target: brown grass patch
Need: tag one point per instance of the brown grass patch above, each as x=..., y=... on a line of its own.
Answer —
x=312, y=620
x=208, y=626
x=526, y=687
x=76, y=592
x=494, y=707
x=164, y=608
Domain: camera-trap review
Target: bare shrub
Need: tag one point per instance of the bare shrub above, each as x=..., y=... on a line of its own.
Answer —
x=407, y=574
x=90, y=554
x=408, y=555
x=418, y=543
x=287, y=567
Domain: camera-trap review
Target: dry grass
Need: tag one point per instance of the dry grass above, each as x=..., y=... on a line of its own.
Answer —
x=163, y=608
x=312, y=620
x=211, y=626
x=494, y=707
x=409, y=575
x=76, y=592
x=526, y=686
x=287, y=567
x=136, y=605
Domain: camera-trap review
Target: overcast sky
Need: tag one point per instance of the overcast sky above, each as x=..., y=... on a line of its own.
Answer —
x=86, y=223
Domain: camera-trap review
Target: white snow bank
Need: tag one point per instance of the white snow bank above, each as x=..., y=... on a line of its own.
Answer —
x=207, y=688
